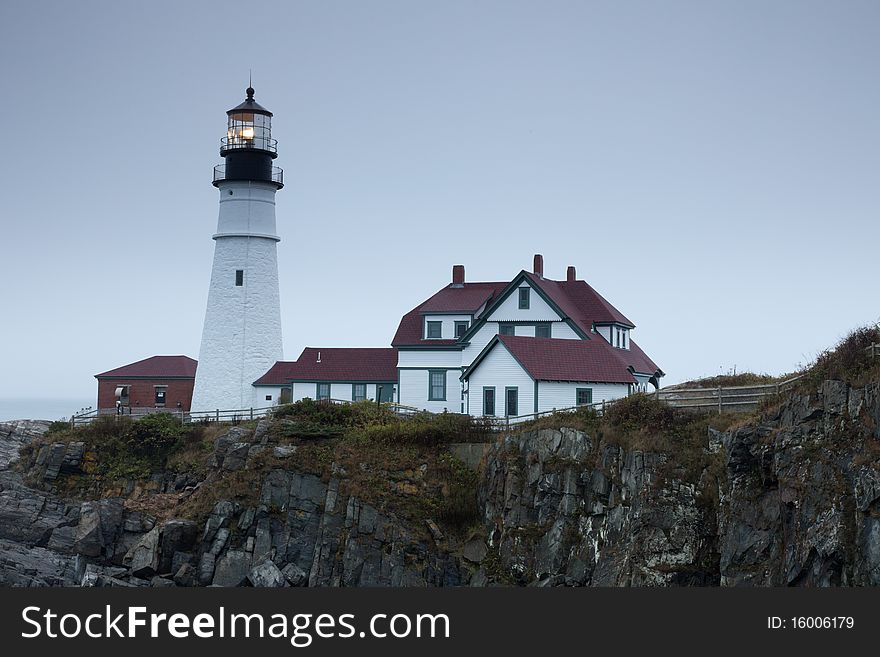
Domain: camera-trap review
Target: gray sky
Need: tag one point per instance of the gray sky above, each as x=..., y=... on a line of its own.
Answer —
x=710, y=167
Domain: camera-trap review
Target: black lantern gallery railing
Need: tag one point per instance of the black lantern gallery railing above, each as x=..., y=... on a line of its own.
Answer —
x=256, y=143
x=220, y=174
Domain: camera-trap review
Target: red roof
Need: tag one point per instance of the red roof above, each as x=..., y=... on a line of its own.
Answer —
x=557, y=359
x=336, y=364
x=277, y=375
x=466, y=300
x=580, y=302
x=636, y=358
x=155, y=367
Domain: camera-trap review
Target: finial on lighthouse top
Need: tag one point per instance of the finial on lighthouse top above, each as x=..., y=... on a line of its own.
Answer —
x=250, y=105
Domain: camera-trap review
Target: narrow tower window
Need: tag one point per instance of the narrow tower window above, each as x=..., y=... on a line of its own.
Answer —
x=239, y=277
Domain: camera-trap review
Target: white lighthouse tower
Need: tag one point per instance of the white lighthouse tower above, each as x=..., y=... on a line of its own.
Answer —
x=241, y=338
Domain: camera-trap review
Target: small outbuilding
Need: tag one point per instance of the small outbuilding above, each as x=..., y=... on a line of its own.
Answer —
x=151, y=384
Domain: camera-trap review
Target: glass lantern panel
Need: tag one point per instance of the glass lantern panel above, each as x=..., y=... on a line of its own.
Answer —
x=249, y=130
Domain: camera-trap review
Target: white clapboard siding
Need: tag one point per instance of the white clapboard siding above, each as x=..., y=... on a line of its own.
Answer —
x=414, y=391
x=448, y=322
x=423, y=358
x=478, y=342
x=500, y=369
x=342, y=391
x=558, y=394
x=509, y=310
x=259, y=396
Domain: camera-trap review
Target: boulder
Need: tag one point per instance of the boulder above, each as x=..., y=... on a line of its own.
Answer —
x=475, y=550
x=266, y=575
x=295, y=575
x=232, y=568
x=143, y=557
x=177, y=536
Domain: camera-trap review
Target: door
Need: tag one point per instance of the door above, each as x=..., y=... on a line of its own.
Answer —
x=512, y=399
x=385, y=392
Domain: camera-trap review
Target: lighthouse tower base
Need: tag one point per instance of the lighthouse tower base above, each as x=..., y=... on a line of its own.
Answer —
x=241, y=338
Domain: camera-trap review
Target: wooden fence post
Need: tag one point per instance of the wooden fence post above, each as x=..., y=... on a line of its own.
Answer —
x=719, y=400
x=217, y=415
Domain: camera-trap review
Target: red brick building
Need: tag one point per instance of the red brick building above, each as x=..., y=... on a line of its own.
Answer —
x=152, y=383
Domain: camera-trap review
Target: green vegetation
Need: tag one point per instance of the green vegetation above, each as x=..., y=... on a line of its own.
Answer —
x=584, y=419
x=850, y=360
x=122, y=448
x=734, y=380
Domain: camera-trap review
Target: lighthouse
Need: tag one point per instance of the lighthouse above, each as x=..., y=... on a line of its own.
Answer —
x=241, y=338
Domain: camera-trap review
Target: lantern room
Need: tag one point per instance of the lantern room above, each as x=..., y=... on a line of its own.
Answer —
x=248, y=148
x=249, y=126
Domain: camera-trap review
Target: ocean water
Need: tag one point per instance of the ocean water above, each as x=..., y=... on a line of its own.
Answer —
x=41, y=409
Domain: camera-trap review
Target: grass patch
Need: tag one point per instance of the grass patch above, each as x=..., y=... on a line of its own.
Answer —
x=732, y=380
x=849, y=360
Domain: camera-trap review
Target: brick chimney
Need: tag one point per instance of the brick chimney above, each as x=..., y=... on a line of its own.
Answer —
x=457, y=275
x=571, y=274
x=538, y=269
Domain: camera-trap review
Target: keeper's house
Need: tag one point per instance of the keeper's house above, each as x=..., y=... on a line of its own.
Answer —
x=500, y=349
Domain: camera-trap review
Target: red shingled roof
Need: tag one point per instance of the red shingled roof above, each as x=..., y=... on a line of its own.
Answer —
x=337, y=364
x=466, y=300
x=555, y=359
x=580, y=302
x=155, y=367
x=636, y=358
x=277, y=375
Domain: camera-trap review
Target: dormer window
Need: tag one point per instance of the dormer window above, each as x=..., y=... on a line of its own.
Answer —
x=433, y=330
x=524, y=298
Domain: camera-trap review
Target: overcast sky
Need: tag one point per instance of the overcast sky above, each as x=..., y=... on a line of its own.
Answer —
x=710, y=167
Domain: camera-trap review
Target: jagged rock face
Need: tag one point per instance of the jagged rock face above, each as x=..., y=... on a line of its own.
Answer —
x=798, y=505
x=802, y=501
x=794, y=500
x=558, y=512
x=303, y=532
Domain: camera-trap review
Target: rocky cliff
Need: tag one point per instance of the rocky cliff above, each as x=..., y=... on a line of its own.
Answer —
x=789, y=497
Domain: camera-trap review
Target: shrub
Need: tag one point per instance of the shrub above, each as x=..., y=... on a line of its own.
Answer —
x=57, y=427
x=584, y=419
x=849, y=360
x=640, y=412
x=429, y=430
x=326, y=413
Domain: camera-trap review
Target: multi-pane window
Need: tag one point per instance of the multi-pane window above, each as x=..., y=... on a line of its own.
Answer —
x=358, y=391
x=323, y=391
x=488, y=401
x=505, y=328
x=460, y=329
x=433, y=330
x=524, y=298
x=583, y=396
x=437, y=385
x=512, y=399
x=542, y=330
x=239, y=277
